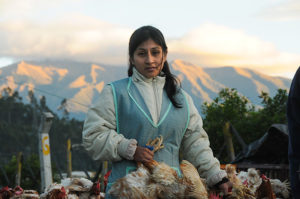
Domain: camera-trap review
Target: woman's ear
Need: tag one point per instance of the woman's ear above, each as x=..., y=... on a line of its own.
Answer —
x=131, y=62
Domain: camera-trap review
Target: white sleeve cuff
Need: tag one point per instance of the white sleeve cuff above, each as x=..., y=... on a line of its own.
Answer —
x=126, y=148
x=216, y=178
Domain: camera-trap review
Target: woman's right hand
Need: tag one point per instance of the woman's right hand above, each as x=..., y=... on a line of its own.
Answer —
x=143, y=154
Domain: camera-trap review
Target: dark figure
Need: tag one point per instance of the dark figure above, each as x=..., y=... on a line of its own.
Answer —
x=293, y=116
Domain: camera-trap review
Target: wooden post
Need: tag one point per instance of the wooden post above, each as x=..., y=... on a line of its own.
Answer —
x=44, y=150
x=228, y=141
x=239, y=138
x=69, y=158
x=19, y=168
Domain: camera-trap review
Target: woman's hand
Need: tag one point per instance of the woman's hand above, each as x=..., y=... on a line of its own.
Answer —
x=143, y=154
x=226, y=188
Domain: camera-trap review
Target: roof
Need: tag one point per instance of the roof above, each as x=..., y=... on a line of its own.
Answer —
x=271, y=148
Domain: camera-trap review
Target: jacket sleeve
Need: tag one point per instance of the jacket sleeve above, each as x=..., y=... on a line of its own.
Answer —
x=99, y=136
x=195, y=148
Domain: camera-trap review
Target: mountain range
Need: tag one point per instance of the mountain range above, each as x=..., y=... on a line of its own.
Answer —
x=80, y=82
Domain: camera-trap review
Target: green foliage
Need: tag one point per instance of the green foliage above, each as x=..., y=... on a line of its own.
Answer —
x=251, y=123
x=19, y=125
x=229, y=106
x=274, y=108
x=31, y=178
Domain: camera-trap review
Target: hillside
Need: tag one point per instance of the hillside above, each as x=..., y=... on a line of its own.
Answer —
x=81, y=83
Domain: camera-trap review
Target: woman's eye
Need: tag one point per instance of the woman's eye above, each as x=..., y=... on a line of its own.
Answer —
x=141, y=53
x=155, y=52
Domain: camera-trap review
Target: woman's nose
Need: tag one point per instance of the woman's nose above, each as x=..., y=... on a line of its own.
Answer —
x=149, y=58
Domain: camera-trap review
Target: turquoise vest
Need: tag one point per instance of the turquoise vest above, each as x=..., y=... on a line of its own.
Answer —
x=134, y=121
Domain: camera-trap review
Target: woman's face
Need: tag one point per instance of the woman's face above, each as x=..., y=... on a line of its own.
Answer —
x=148, y=58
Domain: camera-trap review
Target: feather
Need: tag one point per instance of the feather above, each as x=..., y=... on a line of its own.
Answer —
x=190, y=174
x=133, y=185
x=281, y=189
x=77, y=184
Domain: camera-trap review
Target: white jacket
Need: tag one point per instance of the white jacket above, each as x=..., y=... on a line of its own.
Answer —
x=101, y=140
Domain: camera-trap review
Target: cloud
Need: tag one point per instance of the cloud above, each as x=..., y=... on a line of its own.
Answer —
x=213, y=45
x=73, y=36
x=84, y=38
x=288, y=10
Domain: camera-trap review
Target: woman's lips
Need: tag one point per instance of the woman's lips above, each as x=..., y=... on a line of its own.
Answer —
x=150, y=69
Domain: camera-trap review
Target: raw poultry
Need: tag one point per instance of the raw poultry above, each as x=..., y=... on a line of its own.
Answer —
x=73, y=188
x=252, y=184
x=18, y=193
x=158, y=180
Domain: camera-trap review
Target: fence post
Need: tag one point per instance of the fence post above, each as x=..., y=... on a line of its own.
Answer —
x=239, y=138
x=19, y=168
x=228, y=141
x=44, y=150
x=69, y=158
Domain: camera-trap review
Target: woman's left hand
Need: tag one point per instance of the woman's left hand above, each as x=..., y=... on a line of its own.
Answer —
x=226, y=188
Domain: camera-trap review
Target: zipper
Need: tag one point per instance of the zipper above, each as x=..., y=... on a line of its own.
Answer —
x=155, y=99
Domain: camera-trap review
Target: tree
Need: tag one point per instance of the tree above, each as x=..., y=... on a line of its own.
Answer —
x=20, y=135
x=64, y=108
x=251, y=123
x=229, y=106
x=273, y=111
x=9, y=98
x=275, y=108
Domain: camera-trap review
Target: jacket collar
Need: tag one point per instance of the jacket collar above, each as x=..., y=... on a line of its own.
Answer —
x=136, y=76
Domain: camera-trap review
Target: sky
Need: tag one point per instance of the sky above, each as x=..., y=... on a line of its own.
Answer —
x=262, y=35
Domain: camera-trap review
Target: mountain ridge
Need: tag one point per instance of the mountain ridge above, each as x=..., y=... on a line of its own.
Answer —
x=81, y=82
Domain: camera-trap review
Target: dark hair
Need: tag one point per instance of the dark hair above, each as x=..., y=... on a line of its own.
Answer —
x=149, y=32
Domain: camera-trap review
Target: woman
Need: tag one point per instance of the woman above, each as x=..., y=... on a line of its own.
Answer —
x=147, y=104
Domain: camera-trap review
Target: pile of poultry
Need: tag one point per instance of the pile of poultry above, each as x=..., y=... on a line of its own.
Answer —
x=258, y=185
x=157, y=180
x=18, y=192
x=73, y=188
x=70, y=188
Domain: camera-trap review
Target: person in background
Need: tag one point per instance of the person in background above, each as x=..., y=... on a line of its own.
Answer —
x=149, y=103
x=293, y=116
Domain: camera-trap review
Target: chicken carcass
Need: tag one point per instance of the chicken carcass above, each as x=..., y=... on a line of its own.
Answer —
x=243, y=176
x=55, y=191
x=82, y=188
x=265, y=189
x=197, y=187
x=158, y=180
x=253, y=179
x=165, y=182
x=280, y=189
x=24, y=194
x=6, y=193
x=133, y=185
x=232, y=174
x=240, y=188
